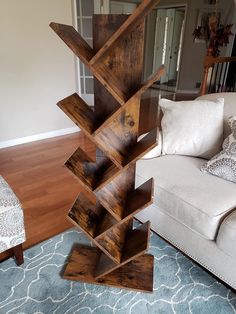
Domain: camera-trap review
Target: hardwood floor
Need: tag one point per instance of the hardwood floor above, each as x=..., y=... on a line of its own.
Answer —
x=46, y=189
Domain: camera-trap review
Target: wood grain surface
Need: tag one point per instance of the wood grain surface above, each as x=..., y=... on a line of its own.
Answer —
x=135, y=275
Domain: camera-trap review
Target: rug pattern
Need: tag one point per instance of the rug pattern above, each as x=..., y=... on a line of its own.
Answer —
x=180, y=286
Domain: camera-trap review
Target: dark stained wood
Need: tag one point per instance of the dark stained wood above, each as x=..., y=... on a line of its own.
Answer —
x=44, y=186
x=121, y=134
x=105, y=224
x=91, y=174
x=135, y=275
x=128, y=26
x=149, y=117
x=136, y=244
x=110, y=139
x=139, y=199
x=120, y=198
x=80, y=47
x=83, y=116
x=113, y=196
x=108, y=220
x=117, y=59
x=79, y=112
x=115, y=86
x=113, y=71
x=74, y=41
x=90, y=216
x=110, y=242
x=105, y=104
x=142, y=147
x=135, y=99
x=114, y=240
x=150, y=81
x=18, y=253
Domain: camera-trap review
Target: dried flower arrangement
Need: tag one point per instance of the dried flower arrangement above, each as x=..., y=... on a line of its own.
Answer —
x=215, y=34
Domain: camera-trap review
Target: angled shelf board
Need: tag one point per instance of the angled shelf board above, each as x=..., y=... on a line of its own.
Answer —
x=115, y=240
x=84, y=117
x=83, y=51
x=110, y=141
x=79, y=112
x=105, y=214
x=122, y=200
x=91, y=174
x=136, y=244
x=93, y=218
x=150, y=81
x=136, y=275
x=74, y=41
x=134, y=19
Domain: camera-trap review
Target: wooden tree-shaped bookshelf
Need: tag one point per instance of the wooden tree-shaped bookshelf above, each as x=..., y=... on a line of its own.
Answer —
x=116, y=61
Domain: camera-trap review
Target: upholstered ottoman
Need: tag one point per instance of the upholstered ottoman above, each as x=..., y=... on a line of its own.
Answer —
x=12, y=230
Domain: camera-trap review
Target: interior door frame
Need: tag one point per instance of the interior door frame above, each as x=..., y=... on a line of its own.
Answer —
x=173, y=6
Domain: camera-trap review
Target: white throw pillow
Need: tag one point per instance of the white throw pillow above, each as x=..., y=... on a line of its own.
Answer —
x=223, y=164
x=156, y=151
x=193, y=128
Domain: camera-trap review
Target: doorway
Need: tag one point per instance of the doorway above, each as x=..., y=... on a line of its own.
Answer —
x=169, y=28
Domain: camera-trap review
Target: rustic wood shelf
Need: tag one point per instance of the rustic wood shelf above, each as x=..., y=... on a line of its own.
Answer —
x=134, y=19
x=113, y=125
x=93, y=218
x=130, y=204
x=119, y=90
x=114, y=115
x=114, y=85
x=112, y=241
x=110, y=141
x=79, y=112
x=136, y=275
x=136, y=244
x=115, y=240
x=92, y=174
x=74, y=41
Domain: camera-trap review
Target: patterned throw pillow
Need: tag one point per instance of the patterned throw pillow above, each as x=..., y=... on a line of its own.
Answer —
x=223, y=164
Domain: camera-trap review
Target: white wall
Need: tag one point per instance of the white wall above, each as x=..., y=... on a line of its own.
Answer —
x=36, y=67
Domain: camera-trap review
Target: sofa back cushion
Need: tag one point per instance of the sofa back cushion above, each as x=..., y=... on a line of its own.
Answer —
x=229, y=107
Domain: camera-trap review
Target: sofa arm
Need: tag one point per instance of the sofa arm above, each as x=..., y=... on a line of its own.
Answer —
x=226, y=238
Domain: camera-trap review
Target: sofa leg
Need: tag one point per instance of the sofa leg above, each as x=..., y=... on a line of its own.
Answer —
x=18, y=253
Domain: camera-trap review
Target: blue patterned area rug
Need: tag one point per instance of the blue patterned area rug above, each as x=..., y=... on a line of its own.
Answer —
x=180, y=286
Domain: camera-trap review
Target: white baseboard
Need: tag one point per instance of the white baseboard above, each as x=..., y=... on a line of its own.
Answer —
x=37, y=137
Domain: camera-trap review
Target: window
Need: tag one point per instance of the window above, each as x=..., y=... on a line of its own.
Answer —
x=84, y=12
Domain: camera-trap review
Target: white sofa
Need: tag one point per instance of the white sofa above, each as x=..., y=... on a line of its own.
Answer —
x=194, y=211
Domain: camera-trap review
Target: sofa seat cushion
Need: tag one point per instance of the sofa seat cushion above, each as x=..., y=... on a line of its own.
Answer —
x=196, y=199
x=226, y=238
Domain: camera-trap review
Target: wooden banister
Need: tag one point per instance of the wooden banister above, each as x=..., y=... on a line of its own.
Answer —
x=209, y=62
